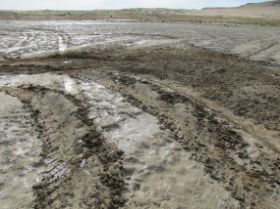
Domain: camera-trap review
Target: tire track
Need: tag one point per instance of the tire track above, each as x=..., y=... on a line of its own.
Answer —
x=229, y=155
x=158, y=172
x=78, y=165
x=19, y=154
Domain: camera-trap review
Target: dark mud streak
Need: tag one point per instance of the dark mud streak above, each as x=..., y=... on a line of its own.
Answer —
x=264, y=49
x=216, y=75
x=219, y=77
x=93, y=145
x=218, y=163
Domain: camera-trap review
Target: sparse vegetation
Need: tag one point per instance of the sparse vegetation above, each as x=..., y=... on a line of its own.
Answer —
x=144, y=15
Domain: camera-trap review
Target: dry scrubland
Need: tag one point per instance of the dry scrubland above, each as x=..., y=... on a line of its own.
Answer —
x=133, y=115
x=258, y=14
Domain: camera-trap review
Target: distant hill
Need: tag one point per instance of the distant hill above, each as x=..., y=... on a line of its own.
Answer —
x=270, y=10
x=264, y=4
x=267, y=13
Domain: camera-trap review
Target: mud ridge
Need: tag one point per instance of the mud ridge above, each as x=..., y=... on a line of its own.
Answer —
x=115, y=116
x=213, y=141
x=81, y=169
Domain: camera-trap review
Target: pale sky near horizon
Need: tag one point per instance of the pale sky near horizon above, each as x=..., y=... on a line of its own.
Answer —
x=116, y=4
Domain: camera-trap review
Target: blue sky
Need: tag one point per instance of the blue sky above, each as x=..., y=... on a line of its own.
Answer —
x=117, y=4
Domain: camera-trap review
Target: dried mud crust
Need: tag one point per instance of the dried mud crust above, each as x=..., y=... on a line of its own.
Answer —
x=234, y=158
x=80, y=169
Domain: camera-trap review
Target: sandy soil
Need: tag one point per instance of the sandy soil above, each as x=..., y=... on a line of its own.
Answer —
x=137, y=116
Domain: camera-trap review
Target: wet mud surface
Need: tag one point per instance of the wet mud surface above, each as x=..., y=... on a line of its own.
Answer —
x=20, y=149
x=29, y=38
x=110, y=119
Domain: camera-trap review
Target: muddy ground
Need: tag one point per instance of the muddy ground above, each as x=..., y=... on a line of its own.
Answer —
x=145, y=120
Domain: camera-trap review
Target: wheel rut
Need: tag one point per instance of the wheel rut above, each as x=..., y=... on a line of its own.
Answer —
x=230, y=155
x=78, y=169
x=135, y=144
